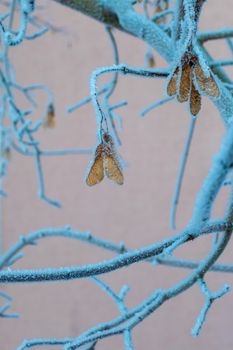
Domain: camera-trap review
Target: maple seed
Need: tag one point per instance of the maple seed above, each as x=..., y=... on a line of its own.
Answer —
x=192, y=74
x=195, y=101
x=185, y=82
x=96, y=173
x=105, y=162
x=112, y=169
x=206, y=84
x=171, y=88
x=49, y=121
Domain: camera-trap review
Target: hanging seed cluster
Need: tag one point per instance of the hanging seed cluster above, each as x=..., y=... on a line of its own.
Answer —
x=188, y=79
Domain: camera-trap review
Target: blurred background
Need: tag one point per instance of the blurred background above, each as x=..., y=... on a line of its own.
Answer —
x=136, y=213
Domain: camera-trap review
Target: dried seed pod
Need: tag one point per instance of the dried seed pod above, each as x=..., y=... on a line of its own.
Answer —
x=49, y=121
x=185, y=83
x=96, y=173
x=112, y=169
x=172, y=85
x=207, y=84
x=105, y=162
x=195, y=101
x=112, y=166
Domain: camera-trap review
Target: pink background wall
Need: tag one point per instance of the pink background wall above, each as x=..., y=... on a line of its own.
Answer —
x=136, y=213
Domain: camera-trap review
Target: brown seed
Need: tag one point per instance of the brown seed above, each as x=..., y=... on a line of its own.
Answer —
x=171, y=88
x=96, y=173
x=112, y=166
x=49, y=121
x=112, y=169
x=195, y=101
x=105, y=161
x=206, y=84
x=185, y=82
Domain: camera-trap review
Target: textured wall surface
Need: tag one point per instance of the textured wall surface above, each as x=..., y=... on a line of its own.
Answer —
x=136, y=213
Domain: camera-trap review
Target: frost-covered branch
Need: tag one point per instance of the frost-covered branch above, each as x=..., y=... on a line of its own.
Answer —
x=190, y=75
x=126, y=258
x=20, y=134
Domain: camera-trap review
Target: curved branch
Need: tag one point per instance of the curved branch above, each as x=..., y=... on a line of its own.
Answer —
x=121, y=15
x=77, y=272
x=158, y=298
x=94, y=9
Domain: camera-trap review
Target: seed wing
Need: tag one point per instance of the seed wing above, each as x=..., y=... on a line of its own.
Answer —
x=185, y=82
x=171, y=88
x=112, y=168
x=195, y=101
x=206, y=84
x=96, y=173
